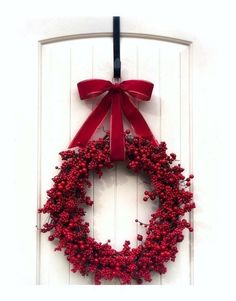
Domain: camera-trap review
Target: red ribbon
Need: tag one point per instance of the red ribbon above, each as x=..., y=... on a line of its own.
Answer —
x=119, y=100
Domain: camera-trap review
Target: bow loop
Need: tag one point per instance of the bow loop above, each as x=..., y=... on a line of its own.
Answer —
x=138, y=88
x=93, y=87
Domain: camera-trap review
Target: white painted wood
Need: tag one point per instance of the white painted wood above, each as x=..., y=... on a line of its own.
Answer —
x=175, y=127
x=149, y=69
x=81, y=64
x=118, y=194
x=126, y=182
x=55, y=126
x=104, y=188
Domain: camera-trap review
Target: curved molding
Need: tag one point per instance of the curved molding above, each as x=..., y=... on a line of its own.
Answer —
x=109, y=34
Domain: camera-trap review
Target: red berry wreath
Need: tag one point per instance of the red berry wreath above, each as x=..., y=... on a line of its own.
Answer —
x=67, y=201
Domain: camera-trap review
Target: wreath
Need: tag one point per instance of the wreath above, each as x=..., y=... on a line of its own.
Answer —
x=68, y=202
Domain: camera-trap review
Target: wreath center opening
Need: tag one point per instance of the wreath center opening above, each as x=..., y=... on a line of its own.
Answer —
x=120, y=210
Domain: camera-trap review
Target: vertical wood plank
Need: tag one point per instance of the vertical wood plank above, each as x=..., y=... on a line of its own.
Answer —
x=55, y=136
x=175, y=125
x=104, y=188
x=81, y=69
x=149, y=70
x=126, y=191
x=185, y=155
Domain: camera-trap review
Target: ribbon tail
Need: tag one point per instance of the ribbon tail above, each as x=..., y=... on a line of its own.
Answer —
x=117, y=131
x=91, y=123
x=136, y=120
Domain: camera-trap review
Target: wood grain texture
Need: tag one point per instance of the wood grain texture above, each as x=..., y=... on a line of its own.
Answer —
x=55, y=125
x=118, y=194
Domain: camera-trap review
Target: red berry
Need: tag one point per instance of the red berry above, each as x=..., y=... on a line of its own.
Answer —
x=180, y=238
x=139, y=237
x=51, y=238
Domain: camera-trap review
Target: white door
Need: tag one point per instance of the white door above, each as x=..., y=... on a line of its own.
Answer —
x=179, y=64
x=118, y=195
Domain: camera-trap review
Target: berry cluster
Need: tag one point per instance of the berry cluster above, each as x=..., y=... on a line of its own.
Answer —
x=67, y=201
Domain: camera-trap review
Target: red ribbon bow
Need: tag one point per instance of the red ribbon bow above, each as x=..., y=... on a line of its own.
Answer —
x=118, y=98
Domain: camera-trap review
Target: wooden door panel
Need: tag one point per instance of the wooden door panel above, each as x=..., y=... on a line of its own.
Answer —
x=118, y=194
